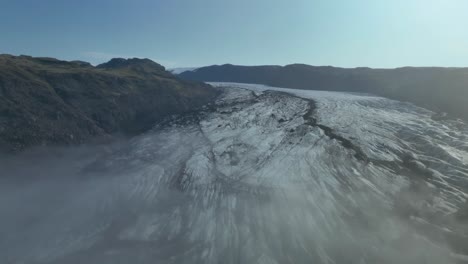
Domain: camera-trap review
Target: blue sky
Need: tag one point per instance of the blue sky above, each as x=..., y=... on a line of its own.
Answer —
x=178, y=33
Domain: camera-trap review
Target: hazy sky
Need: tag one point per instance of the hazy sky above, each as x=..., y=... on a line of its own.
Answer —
x=177, y=33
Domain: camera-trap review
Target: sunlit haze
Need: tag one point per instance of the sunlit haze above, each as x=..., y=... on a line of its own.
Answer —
x=373, y=33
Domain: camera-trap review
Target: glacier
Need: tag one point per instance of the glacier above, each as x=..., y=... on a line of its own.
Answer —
x=263, y=175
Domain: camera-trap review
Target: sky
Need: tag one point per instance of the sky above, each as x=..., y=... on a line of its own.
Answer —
x=192, y=33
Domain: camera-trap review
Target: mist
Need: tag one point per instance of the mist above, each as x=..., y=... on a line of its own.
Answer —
x=254, y=181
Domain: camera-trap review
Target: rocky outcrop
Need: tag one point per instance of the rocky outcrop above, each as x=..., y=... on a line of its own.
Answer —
x=47, y=101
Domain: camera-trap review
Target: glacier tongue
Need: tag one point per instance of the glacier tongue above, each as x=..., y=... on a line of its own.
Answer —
x=268, y=175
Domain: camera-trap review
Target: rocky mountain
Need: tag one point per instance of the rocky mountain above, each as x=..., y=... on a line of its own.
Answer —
x=49, y=101
x=439, y=89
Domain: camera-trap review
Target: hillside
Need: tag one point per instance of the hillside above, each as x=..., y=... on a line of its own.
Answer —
x=439, y=89
x=47, y=101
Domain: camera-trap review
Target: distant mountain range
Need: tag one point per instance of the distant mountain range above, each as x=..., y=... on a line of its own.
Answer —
x=181, y=70
x=438, y=89
x=49, y=101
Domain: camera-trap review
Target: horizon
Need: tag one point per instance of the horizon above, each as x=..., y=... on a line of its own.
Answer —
x=181, y=33
x=224, y=64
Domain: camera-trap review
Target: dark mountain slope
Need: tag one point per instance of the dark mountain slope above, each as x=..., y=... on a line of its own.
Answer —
x=48, y=101
x=439, y=89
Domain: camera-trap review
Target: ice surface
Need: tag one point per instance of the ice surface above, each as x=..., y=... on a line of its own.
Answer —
x=270, y=175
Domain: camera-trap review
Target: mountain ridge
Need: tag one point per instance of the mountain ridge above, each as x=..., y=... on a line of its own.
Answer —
x=436, y=88
x=49, y=101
